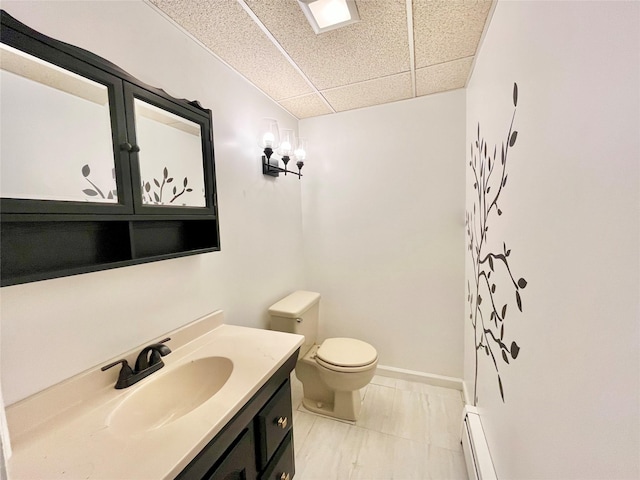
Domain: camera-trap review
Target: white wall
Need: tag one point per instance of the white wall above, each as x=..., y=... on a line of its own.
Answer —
x=54, y=329
x=571, y=220
x=383, y=215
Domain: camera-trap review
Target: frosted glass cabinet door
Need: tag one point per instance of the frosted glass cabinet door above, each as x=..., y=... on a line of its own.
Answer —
x=57, y=141
x=172, y=161
x=170, y=158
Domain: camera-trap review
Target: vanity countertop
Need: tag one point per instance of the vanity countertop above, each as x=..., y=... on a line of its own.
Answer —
x=67, y=431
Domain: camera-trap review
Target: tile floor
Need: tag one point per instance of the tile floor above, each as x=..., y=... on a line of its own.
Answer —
x=406, y=430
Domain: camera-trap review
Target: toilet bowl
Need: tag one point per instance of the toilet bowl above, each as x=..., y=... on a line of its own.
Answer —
x=332, y=372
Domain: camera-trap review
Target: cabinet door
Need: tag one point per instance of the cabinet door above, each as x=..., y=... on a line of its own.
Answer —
x=238, y=463
x=62, y=127
x=172, y=154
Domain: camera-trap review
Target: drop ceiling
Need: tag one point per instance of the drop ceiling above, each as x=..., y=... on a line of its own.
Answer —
x=399, y=49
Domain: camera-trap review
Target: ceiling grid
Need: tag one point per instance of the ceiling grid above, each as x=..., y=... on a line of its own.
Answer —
x=399, y=49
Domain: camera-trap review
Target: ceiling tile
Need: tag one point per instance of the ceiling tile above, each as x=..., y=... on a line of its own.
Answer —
x=225, y=28
x=446, y=30
x=442, y=77
x=372, y=92
x=377, y=46
x=306, y=106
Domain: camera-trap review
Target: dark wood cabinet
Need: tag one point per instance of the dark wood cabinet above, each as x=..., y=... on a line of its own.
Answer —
x=258, y=442
x=156, y=196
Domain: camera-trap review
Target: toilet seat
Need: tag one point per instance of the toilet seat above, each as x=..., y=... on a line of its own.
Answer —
x=346, y=355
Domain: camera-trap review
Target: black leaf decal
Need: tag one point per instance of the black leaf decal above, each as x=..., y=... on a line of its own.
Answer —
x=518, y=300
x=189, y=189
x=501, y=389
x=147, y=187
x=512, y=140
x=504, y=356
x=156, y=182
x=91, y=193
x=515, y=94
x=479, y=300
x=504, y=182
x=165, y=172
x=491, y=263
x=522, y=283
x=185, y=181
x=86, y=171
x=174, y=189
x=499, y=212
x=155, y=195
x=504, y=311
x=515, y=350
x=170, y=179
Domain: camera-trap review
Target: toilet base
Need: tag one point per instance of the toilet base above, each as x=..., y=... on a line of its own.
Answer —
x=346, y=406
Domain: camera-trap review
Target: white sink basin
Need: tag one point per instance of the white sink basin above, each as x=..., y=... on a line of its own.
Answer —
x=173, y=394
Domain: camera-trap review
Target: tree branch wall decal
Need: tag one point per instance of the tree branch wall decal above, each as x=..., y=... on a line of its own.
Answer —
x=491, y=269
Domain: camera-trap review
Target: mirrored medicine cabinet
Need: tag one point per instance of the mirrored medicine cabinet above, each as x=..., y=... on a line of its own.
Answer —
x=97, y=169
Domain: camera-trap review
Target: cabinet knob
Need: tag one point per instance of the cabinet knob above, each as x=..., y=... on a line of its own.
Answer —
x=282, y=423
x=127, y=147
x=285, y=476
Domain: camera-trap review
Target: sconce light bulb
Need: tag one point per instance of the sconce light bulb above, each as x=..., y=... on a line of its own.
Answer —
x=268, y=139
x=285, y=146
x=300, y=154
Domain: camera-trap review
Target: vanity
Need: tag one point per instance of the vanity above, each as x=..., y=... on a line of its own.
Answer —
x=220, y=408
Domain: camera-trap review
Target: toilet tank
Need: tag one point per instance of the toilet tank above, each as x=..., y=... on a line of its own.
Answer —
x=297, y=313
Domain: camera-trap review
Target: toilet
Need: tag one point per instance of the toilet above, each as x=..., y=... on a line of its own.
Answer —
x=332, y=372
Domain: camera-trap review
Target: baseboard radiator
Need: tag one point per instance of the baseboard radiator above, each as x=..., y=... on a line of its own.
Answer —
x=475, y=447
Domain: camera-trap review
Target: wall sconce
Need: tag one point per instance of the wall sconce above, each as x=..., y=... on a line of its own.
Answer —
x=270, y=141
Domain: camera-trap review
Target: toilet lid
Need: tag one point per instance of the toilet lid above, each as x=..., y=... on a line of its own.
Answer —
x=347, y=352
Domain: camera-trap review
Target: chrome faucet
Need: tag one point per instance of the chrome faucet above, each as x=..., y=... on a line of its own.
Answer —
x=149, y=360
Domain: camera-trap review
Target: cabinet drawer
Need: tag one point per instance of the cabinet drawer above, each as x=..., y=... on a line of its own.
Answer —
x=282, y=465
x=273, y=423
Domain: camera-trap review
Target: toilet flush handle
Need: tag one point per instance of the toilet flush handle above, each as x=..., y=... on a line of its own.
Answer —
x=299, y=320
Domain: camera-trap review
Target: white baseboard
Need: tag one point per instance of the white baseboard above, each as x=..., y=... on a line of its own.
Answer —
x=465, y=394
x=421, y=377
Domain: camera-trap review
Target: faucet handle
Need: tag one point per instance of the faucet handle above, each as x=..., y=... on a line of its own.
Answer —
x=124, y=363
x=125, y=373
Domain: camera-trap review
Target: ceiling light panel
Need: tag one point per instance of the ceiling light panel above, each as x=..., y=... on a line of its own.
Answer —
x=325, y=15
x=374, y=47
